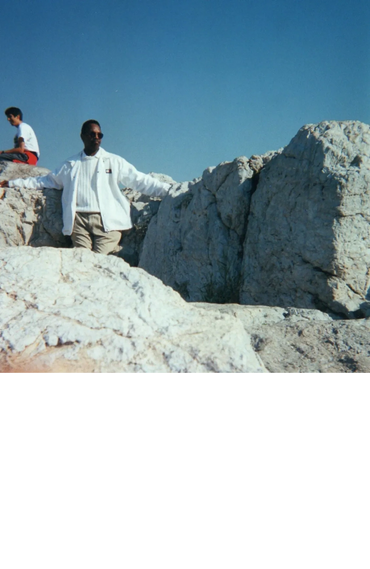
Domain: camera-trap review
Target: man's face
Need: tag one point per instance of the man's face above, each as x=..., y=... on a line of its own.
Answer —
x=91, y=139
x=14, y=121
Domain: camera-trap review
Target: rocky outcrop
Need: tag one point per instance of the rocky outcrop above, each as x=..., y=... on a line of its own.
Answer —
x=69, y=310
x=308, y=238
x=195, y=242
x=75, y=311
x=287, y=229
x=296, y=340
x=12, y=170
x=30, y=217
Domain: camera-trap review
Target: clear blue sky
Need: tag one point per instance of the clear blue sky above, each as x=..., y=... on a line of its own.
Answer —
x=180, y=86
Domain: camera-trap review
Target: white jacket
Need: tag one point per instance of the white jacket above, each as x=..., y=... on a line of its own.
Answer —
x=111, y=171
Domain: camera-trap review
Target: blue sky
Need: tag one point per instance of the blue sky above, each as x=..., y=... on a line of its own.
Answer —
x=180, y=86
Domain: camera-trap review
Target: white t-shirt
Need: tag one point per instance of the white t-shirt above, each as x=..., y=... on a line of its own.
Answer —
x=87, y=191
x=30, y=141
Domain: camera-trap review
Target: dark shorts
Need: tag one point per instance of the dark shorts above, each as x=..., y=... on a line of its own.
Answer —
x=27, y=157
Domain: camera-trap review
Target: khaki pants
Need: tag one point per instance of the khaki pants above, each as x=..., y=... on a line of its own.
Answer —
x=88, y=232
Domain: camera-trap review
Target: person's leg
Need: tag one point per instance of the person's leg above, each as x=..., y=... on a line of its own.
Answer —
x=14, y=157
x=32, y=158
x=81, y=234
x=103, y=242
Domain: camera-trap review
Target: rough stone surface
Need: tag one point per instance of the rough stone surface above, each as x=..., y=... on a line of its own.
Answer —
x=30, y=217
x=195, y=242
x=291, y=340
x=308, y=237
x=12, y=170
x=72, y=310
x=143, y=208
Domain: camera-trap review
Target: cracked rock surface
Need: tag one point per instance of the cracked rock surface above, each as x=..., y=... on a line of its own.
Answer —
x=308, y=238
x=30, y=217
x=289, y=228
x=70, y=310
x=195, y=242
x=294, y=340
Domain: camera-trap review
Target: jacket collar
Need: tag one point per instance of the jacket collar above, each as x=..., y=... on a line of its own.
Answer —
x=103, y=154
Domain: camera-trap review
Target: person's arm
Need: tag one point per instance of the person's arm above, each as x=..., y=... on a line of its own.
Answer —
x=52, y=180
x=30, y=183
x=144, y=183
x=20, y=148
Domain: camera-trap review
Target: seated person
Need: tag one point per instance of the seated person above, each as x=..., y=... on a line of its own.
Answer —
x=26, y=148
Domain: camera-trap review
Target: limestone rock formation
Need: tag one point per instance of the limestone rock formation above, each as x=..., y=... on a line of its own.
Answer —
x=75, y=311
x=296, y=340
x=12, y=170
x=290, y=228
x=30, y=217
x=284, y=233
x=195, y=242
x=308, y=238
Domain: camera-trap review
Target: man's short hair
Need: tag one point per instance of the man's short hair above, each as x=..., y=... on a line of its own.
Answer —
x=86, y=125
x=15, y=112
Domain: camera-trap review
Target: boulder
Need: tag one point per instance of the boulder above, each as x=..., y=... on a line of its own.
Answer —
x=30, y=217
x=195, y=242
x=308, y=238
x=71, y=310
x=290, y=228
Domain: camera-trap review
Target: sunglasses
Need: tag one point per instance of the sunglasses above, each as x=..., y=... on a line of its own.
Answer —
x=96, y=134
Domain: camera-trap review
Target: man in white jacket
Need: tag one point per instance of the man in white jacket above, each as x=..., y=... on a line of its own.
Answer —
x=95, y=211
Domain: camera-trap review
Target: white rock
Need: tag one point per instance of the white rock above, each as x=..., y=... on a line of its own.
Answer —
x=30, y=217
x=73, y=310
x=296, y=340
x=308, y=238
x=195, y=242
